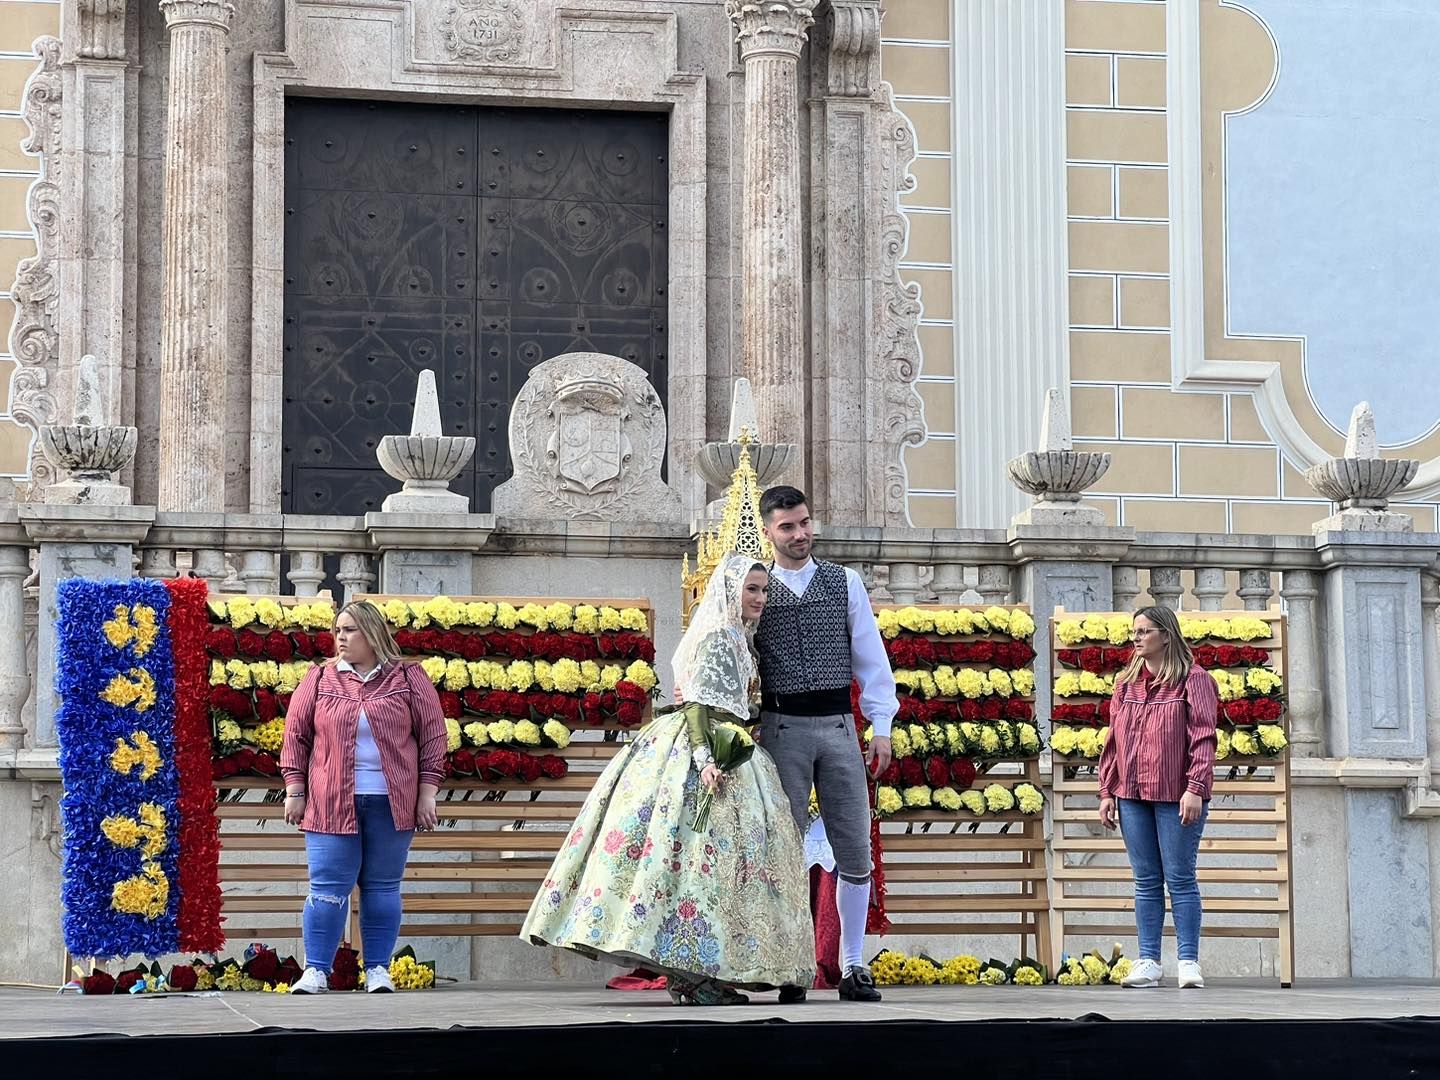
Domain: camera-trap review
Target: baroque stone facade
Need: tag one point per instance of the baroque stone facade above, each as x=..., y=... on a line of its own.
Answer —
x=202, y=226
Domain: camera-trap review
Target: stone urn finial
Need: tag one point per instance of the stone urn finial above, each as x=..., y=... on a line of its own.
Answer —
x=1056, y=474
x=1362, y=482
x=89, y=452
x=425, y=459
x=717, y=461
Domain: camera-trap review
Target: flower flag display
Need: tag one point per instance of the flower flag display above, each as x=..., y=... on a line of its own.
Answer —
x=140, y=871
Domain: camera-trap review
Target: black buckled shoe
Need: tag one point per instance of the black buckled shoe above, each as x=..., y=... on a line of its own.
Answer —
x=858, y=985
x=792, y=995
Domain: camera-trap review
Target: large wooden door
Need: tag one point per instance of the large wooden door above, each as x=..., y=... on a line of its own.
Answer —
x=474, y=241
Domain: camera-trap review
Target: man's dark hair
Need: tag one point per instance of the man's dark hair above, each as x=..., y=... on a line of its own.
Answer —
x=781, y=497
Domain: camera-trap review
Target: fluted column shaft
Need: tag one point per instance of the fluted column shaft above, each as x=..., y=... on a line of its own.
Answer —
x=193, y=302
x=771, y=35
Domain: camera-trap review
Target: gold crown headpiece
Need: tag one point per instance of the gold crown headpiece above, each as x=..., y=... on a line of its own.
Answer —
x=738, y=532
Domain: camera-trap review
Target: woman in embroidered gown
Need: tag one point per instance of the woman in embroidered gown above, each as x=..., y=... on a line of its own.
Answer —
x=635, y=883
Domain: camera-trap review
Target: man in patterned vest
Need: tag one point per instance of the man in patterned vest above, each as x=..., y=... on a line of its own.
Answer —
x=818, y=633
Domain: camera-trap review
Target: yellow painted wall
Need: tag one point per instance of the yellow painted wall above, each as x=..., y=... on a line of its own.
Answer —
x=1182, y=461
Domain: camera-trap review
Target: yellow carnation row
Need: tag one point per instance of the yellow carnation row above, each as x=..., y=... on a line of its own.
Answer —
x=947, y=622
x=1086, y=742
x=1232, y=686
x=946, y=681
x=1267, y=739
x=992, y=799
x=248, y=674
x=1070, y=683
x=1115, y=629
x=446, y=613
x=965, y=737
x=269, y=736
x=565, y=676
x=523, y=733
x=893, y=968
x=241, y=611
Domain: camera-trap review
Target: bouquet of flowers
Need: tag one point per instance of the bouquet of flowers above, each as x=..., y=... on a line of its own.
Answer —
x=731, y=746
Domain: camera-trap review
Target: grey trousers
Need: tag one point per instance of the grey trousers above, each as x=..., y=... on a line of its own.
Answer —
x=821, y=752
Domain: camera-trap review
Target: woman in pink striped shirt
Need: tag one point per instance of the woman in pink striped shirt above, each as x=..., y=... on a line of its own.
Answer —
x=1155, y=775
x=364, y=757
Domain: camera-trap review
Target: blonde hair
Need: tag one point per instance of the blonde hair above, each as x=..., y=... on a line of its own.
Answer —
x=1177, y=660
x=373, y=627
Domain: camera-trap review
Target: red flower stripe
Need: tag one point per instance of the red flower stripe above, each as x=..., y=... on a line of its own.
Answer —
x=198, y=921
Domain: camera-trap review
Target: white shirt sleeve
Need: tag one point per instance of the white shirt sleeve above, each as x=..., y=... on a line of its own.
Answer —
x=868, y=660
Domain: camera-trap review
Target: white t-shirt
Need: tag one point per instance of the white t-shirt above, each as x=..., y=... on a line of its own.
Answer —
x=369, y=776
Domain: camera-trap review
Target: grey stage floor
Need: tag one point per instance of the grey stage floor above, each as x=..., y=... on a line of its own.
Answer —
x=36, y=1014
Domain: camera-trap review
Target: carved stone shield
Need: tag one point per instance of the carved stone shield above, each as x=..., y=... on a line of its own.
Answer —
x=589, y=446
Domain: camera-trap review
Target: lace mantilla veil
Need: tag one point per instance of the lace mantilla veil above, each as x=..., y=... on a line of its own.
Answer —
x=713, y=664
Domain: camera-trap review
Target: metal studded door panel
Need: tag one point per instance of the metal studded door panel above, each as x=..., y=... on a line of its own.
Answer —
x=477, y=242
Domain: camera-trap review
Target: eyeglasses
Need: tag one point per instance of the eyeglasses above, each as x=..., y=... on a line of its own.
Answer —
x=1136, y=635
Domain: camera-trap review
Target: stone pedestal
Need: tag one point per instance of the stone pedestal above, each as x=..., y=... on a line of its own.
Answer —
x=74, y=542
x=770, y=36
x=1064, y=567
x=1375, y=682
x=411, y=563
x=196, y=259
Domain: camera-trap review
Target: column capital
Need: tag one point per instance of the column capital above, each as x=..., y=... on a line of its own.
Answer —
x=769, y=27
x=216, y=13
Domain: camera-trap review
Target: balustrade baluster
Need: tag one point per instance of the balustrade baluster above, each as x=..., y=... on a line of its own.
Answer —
x=1430, y=651
x=1305, y=699
x=1210, y=588
x=948, y=582
x=14, y=670
x=1255, y=589
x=355, y=574
x=1165, y=587
x=210, y=564
x=157, y=563
x=1125, y=587
x=260, y=573
x=904, y=582
x=994, y=584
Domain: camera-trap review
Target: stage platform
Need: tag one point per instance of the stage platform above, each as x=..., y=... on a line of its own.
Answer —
x=1233, y=1030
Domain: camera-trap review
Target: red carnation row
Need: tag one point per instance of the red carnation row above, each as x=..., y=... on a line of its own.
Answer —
x=625, y=704
x=1228, y=656
x=262, y=705
x=1249, y=711
x=1090, y=713
x=244, y=760
x=542, y=645
x=914, y=710
x=912, y=652
x=934, y=770
x=227, y=644
x=506, y=765
x=1103, y=661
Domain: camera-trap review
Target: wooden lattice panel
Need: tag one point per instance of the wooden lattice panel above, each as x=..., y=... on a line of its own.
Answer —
x=955, y=874
x=1244, y=865
x=475, y=875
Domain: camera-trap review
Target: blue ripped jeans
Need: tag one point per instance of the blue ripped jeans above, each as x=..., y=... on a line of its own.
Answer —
x=1162, y=855
x=374, y=858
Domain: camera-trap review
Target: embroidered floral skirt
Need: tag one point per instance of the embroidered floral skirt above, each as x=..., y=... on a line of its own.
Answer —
x=634, y=883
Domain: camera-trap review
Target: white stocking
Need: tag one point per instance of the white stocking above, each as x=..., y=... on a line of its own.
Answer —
x=853, y=903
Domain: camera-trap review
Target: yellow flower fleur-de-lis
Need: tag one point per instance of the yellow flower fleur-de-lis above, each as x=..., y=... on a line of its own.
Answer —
x=147, y=893
x=140, y=750
x=136, y=687
x=148, y=829
x=135, y=626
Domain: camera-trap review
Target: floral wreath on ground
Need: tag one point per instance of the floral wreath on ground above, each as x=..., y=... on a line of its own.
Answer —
x=511, y=685
x=1252, y=701
x=890, y=967
x=260, y=968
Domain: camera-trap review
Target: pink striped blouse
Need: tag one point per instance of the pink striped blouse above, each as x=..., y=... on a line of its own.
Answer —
x=403, y=711
x=1162, y=739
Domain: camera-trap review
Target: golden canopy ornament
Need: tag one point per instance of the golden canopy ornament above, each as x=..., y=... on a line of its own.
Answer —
x=738, y=531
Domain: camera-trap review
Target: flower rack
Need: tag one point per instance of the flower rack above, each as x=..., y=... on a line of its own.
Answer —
x=954, y=872
x=1244, y=864
x=477, y=873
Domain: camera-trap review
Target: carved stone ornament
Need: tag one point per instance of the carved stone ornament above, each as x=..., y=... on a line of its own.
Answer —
x=35, y=334
x=99, y=33
x=490, y=31
x=587, y=438
x=898, y=344
x=852, y=40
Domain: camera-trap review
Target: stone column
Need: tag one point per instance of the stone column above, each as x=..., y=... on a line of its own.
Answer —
x=1299, y=589
x=770, y=35
x=192, y=343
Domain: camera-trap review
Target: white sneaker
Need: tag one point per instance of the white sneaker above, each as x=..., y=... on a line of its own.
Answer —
x=1190, y=978
x=1144, y=974
x=378, y=981
x=314, y=981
